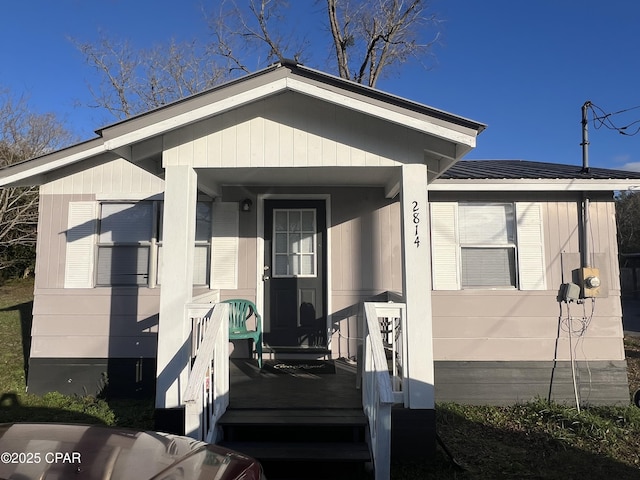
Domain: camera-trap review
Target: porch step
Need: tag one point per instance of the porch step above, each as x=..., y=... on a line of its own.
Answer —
x=300, y=443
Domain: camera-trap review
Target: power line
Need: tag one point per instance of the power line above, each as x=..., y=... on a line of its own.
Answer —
x=603, y=119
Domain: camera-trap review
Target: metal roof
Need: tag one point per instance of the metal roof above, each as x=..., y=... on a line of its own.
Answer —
x=528, y=170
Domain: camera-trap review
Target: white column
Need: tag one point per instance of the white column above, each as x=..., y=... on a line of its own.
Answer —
x=416, y=284
x=179, y=227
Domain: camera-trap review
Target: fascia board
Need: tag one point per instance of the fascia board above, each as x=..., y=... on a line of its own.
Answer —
x=192, y=116
x=356, y=104
x=279, y=85
x=444, y=185
x=37, y=172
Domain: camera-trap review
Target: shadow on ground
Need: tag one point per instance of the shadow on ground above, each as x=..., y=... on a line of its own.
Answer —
x=489, y=453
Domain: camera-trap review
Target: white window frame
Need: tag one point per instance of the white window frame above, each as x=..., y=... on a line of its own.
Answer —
x=149, y=243
x=508, y=243
x=313, y=254
x=446, y=247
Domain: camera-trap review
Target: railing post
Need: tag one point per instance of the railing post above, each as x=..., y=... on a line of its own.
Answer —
x=206, y=398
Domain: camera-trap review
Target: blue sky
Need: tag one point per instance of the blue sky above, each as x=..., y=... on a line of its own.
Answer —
x=523, y=67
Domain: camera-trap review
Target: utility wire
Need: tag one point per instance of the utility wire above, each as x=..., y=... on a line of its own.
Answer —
x=603, y=119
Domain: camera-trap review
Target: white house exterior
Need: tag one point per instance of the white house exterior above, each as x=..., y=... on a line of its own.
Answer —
x=310, y=195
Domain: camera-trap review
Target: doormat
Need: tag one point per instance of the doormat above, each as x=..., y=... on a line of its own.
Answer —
x=293, y=367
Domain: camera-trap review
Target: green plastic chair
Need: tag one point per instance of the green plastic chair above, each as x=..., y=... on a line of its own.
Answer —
x=239, y=312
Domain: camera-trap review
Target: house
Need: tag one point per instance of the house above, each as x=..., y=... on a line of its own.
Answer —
x=310, y=195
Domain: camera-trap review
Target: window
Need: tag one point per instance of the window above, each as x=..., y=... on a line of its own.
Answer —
x=126, y=235
x=128, y=245
x=487, y=246
x=294, y=237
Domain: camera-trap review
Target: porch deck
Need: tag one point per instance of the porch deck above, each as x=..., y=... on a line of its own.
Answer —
x=252, y=388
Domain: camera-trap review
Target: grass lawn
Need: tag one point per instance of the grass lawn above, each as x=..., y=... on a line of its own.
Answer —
x=530, y=441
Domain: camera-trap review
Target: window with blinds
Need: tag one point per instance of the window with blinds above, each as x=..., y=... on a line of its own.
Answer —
x=487, y=245
x=130, y=249
x=124, y=243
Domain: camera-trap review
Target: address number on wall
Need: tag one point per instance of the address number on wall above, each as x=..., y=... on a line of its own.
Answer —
x=416, y=222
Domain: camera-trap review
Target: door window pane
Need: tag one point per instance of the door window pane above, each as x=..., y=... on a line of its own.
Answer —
x=294, y=238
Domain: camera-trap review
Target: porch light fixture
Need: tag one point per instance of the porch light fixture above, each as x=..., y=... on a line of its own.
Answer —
x=245, y=206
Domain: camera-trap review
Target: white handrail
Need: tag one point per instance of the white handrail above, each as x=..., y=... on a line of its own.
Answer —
x=206, y=396
x=378, y=395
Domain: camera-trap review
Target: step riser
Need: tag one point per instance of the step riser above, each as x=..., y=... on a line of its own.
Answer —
x=266, y=433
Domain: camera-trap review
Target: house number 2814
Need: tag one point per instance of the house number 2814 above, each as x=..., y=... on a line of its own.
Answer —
x=416, y=221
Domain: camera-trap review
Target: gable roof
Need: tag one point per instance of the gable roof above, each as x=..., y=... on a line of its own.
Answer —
x=138, y=138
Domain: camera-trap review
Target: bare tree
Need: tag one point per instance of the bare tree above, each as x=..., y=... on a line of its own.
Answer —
x=133, y=81
x=378, y=35
x=367, y=37
x=23, y=135
x=364, y=39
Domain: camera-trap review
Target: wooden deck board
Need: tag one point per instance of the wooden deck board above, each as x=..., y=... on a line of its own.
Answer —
x=251, y=388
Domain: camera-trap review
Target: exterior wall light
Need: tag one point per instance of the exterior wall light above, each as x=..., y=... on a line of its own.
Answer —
x=245, y=206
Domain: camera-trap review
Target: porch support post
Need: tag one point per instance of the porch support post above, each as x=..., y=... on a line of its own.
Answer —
x=416, y=284
x=413, y=428
x=176, y=288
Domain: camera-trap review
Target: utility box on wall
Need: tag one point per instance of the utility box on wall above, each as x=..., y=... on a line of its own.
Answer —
x=590, y=281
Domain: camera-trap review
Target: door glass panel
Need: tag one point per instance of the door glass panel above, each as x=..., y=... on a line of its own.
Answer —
x=306, y=244
x=294, y=221
x=280, y=221
x=306, y=265
x=294, y=238
x=294, y=242
x=281, y=266
x=308, y=221
x=281, y=243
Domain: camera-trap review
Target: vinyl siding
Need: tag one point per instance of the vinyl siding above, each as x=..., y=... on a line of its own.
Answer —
x=90, y=322
x=509, y=325
x=279, y=132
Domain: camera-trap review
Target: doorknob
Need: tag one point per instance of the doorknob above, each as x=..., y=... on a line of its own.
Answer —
x=265, y=277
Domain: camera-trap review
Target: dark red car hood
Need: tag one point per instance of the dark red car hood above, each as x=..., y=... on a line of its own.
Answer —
x=84, y=452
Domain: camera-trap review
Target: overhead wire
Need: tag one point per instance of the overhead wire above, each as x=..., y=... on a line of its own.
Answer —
x=603, y=119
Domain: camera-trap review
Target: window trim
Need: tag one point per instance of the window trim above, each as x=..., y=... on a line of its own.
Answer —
x=512, y=245
x=531, y=261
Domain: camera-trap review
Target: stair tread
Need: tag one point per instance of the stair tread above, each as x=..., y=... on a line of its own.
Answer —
x=294, y=417
x=303, y=451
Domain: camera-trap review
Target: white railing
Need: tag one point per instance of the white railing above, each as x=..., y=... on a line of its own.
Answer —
x=382, y=386
x=206, y=396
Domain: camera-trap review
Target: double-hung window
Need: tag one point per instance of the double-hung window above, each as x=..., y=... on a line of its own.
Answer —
x=127, y=233
x=482, y=245
x=487, y=245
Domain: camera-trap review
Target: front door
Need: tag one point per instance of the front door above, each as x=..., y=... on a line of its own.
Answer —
x=295, y=262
